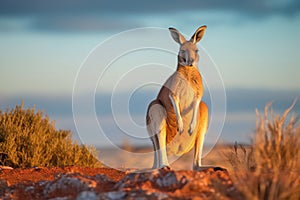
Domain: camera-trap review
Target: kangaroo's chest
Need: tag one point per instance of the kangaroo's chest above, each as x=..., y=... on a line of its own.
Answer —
x=187, y=89
x=186, y=97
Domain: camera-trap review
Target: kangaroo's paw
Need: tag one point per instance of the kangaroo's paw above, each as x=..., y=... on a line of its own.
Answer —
x=192, y=127
x=180, y=125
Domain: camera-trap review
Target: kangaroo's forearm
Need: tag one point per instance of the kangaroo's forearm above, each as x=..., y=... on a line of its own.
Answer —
x=175, y=103
x=193, y=123
x=196, y=109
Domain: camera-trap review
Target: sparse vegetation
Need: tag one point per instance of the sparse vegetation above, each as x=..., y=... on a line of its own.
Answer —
x=270, y=168
x=28, y=138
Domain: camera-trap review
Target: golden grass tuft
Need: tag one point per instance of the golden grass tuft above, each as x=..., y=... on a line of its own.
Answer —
x=270, y=168
x=28, y=138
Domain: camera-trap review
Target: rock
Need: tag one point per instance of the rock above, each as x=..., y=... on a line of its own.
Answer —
x=115, y=195
x=59, y=198
x=87, y=195
x=166, y=183
x=159, y=179
x=171, y=181
x=160, y=184
x=68, y=185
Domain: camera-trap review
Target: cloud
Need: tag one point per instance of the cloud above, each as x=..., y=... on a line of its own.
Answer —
x=72, y=23
x=260, y=7
x=247, y=100
x=240, y=116
x=51, y=105
x=238, y=100
x=101, y=15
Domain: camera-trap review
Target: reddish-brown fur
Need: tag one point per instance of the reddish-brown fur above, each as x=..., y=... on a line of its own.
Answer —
x=192, y=75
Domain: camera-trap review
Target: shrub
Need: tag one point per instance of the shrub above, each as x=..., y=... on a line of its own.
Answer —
x=274, y=172
x=28, y=138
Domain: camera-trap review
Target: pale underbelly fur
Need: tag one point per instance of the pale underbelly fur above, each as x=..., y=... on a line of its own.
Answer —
x=184, y=142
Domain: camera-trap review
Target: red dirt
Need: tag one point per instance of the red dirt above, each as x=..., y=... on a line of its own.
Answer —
x=44, y=173
x=106, y=183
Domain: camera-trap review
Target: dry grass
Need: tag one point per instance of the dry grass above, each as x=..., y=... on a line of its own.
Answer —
x=28, y=138
x=270, y=168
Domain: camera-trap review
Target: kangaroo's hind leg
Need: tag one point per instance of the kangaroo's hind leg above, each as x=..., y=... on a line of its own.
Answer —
x=201, y=131
x=156, y=126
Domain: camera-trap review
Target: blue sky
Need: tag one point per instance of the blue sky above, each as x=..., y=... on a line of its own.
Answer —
x=255, y=45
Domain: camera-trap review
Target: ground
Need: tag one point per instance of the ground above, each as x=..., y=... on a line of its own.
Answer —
x=106, y=183
x=128, y=182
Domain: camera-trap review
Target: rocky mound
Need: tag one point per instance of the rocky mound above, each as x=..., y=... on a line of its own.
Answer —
x=103, y=183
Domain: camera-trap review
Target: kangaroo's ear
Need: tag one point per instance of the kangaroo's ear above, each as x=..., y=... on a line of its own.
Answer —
x=198, y=34
x=177, y=36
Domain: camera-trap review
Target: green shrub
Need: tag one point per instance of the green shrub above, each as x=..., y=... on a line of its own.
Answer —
x=28, y=138
x=271, y=168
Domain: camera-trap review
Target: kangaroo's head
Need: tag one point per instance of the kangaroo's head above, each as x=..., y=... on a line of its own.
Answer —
x=188, y=52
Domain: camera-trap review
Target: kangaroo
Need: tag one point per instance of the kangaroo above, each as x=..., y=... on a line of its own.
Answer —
x=177, y=120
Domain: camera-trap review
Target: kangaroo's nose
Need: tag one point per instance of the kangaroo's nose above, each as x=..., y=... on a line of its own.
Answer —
x=191, y=62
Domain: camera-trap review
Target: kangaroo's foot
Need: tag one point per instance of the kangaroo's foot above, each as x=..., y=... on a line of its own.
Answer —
x=166, y=167
x=206, y=167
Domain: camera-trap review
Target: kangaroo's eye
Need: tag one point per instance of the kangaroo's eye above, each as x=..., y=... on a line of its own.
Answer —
x=196, y=51
x=182, y=51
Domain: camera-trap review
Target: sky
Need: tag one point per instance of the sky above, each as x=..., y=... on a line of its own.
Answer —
x=254, y=46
